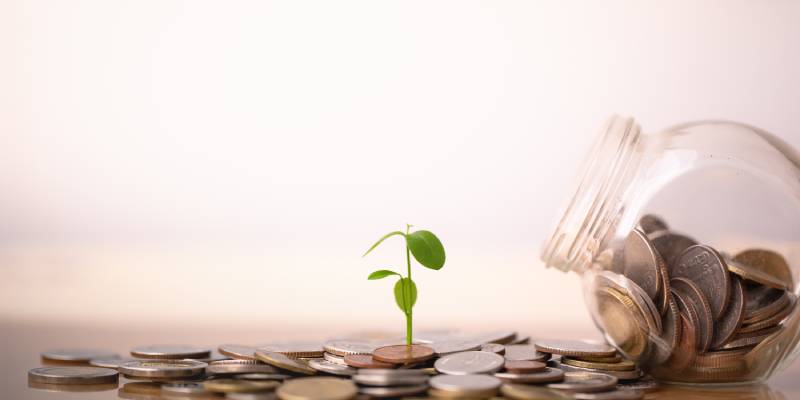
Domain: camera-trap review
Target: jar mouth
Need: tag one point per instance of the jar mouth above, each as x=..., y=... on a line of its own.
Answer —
x=597, y=200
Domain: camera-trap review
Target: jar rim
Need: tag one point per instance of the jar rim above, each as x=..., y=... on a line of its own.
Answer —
x=597, y=197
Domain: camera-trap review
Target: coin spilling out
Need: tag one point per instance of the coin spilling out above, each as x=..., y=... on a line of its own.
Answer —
x=714, y=310
x=73, y=375
x=75, y=356
x=171, y=352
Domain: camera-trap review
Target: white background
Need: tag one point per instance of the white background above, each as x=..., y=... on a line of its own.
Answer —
x=229, y=162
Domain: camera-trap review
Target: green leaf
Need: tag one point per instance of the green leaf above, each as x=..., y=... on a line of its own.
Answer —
x=405, y=294
x=388, y=235
x=381, y=273
x=426, y=248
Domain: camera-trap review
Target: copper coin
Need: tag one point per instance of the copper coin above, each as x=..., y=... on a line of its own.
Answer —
x=705, y=267
x=364, y=361
x=237, y=351
x=403, y=354
x=575, y=348
x=640, y=261
x=768, y=262
x=694, y=294
x=670, y=245
x=731, y=321
x=745, y=271
x=524, y=366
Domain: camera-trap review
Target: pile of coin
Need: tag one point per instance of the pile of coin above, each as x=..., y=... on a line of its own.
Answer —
x=687, y=311
x=441, y=365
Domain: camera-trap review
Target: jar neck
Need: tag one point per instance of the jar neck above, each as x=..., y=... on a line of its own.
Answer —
x=598, y=200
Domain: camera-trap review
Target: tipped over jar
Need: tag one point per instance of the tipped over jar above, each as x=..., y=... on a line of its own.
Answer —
x=688, y=244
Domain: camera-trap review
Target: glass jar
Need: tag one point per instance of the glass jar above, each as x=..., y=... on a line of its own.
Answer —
x=688, y=245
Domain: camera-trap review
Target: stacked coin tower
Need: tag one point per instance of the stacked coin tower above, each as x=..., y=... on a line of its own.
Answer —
x=688, y=312
x=448, y=365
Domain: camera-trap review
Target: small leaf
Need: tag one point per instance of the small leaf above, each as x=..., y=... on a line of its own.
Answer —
x=388, y=235
x=381, y=273
x=405, y=294
x=426, y=248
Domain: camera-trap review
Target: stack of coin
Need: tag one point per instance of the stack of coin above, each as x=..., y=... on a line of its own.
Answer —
x=448, y=365
x=686, y=310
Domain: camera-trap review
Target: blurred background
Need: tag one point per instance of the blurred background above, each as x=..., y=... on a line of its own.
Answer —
x=227, y=163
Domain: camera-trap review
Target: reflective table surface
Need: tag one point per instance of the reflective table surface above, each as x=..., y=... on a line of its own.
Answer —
x=22, y=343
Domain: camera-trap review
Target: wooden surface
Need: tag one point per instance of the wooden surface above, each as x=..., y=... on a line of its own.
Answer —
x=22, y=343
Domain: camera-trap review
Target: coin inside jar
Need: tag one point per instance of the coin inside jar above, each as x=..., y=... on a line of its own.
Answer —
x=703, y=266
x=641, y=263
x=768, y=262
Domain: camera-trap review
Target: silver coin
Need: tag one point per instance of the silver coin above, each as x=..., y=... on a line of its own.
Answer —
x=549, y=375
x=390, y=380
x=326, y=366
x=239, y=367
x=705, y=267
x=670, y=245
x=171, y=352
x=585, y=382
x=431, y=336
x=670, y=334
x=469, y=362
x=72, y=375
x=499, y=337
x=447, y=347
x=334, y=358
x=183, y=388
x=641, y=263
x=494, y=348
x=263, y=377
x=465, y=383
x=77, y=355
x=617, y=394
x=112, y=363
x=237, y=351
x=521, y=339
x=524, y=352
x=343, y=347
x=166, y=369
x=392, y=391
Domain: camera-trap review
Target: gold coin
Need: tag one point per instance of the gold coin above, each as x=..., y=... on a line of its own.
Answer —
x=621, y=321
x=317, y=388
x=285, y=362
x=624, y=365
x=238, y=386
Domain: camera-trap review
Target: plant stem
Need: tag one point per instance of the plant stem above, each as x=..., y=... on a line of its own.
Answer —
x=409, y=315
